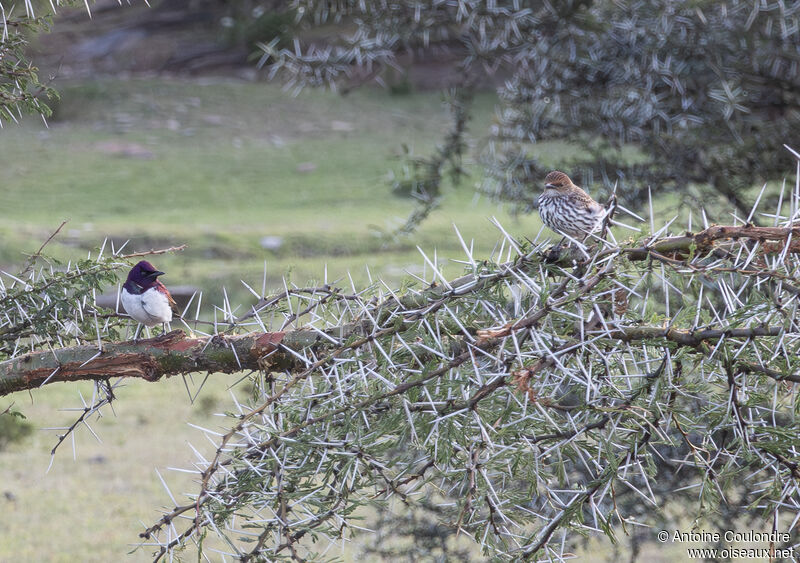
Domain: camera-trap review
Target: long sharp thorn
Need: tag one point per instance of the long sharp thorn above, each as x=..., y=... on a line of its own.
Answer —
x=780, y=204
x=755, y=205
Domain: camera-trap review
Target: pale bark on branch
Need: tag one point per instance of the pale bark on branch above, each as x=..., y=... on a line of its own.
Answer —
x=176, y=353
x=773, y=240
x=154, y=358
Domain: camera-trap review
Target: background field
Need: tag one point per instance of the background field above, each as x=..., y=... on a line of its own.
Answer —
x=219, y=165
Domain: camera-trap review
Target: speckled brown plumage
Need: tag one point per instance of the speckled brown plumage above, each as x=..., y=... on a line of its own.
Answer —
x=567, y=209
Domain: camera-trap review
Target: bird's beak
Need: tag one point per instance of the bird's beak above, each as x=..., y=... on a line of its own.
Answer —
x=549, y=186
x=157, y=273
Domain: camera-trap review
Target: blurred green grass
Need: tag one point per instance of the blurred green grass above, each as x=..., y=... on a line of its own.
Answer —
x=218, y=165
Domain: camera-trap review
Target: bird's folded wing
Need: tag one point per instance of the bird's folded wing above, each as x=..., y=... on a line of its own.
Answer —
x=164, y=291
x=157, y=305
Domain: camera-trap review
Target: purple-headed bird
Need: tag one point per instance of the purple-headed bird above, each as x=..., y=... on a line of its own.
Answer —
x=145, y=298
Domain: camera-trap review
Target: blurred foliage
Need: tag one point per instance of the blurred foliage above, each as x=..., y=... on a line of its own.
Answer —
x=414, y=535
x=13, y=428
x=207, y=404
x=250, y=22
x=401, y=86
x=707, y=91
x=422, y=176
x=21, y=88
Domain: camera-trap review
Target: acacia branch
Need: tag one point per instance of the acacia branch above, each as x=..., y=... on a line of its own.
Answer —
x=32, y=258
x=681, y=247
x=176, y=353
x=151, y=359
x=152, y=252
x=704, y=240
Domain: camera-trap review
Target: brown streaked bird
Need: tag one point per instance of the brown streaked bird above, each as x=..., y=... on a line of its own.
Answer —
x=567, y=209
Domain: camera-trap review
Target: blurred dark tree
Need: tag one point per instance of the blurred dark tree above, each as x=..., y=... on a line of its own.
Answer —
x=212, y=34
x=696, y=97
x=247, y=22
